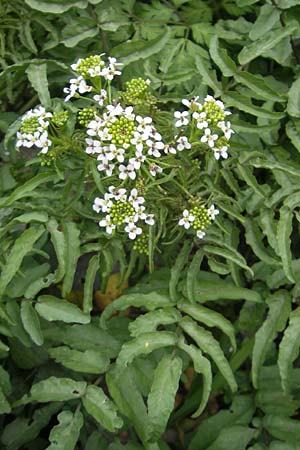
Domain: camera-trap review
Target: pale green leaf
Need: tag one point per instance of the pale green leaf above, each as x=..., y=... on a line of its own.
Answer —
x=89, y=361
x=132, y=406
x=209, y=318
x=31, y=322
x=150, y=321
x=55, y=7
x=236, y=437
x=282, y=428
x=101, y=408
x=192, y=275
x=243, y=103
x=37, y=75
x=208, y=344
x=254, y=238
x=65, y=435
x=4, y=405
x=279, y=309
x=55, y=389
x=203, y=367
x=134, y=50
x=293, y=105
x=145, y=344
x=53, y=308
x=267, y=18
x=71, y=234
x=208, y=76
x=178, y=267
x=162, y=394
x=257, y=84
x=149, y=301
x=265, y=43
x=289, y=349
x=90, y=276
x=284, y=231
x=221, y=58
x=293, y=132
x=22, y=246
x=230, y=255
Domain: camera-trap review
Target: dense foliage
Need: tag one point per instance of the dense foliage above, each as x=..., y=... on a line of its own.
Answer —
x=108, y=342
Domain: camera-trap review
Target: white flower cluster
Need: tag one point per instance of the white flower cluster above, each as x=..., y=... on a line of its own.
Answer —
x=209, y=118
x=90, y=68
x=34, y=129
x=198, y=218
x=124, y=140
x=121, y=209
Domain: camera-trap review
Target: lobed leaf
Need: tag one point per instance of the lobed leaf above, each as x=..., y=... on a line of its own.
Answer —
x=284, y=230
x=53, y=308
x=31, y=322
x=65, y=435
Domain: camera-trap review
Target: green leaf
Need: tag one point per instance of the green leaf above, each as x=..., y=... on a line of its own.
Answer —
x=203, y=367
x=23, y=430
x=207, y=343
x=208, y=76
x=257, y=84
x=55, y=7
x=279, y=309
x=192, y=275
x=230, y=255
x=162, y=394
x=22, y=246
x=55, y=389
x=129, y=52
x=145, y=344
x=120, y=383
x=284, y=231
x=29, y=186
x=5, y=383
x=289, y=349
x=90, y=277
x=282, y=428
x=207, y=290
x=149, y=301
x=53, y=308
x=4, y=405
x=293, y=105
x=265, y=43
x=73, y=41
x=293, y=132
x=65, y=435
x=89, y=361
x=267, y=18
x=177, y=269
x=37, y=75
x=31, y=322
x=210, y=318
x=221, y=58
x=247, y=175
x=243, y=103
x=101, y=408
x=254, y=238
x=150, y=321
x=236, y=437
x=71, y=234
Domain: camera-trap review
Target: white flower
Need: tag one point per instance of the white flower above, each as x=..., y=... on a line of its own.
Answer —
x=133, y=230
x=43, y=142
x=137, y=160
x=31, y=139
x=221, y=152
x=149, y=219
x=76, y=84
x=115, y=110
x=93, y=146
x=100, y=99
x=105, y=166
x=154, y=169
x=226, y=128
x=212, y=212
x=154, y=148
x=186, y=219
x=209, y=138
x=143, y=123
x=117, y=194
x=127, y=171
x=102, y=204
x=135, y=200
x=151, y=133
x=22, y=139
x=182, y=143
x=169, y=149
x=94, y=127
x=104, y=134
x=182, y=118
x=200, y=119
x=138, y=141
x=200, y=234
x=128, y=113
x=108, y=224
x=190, y=103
